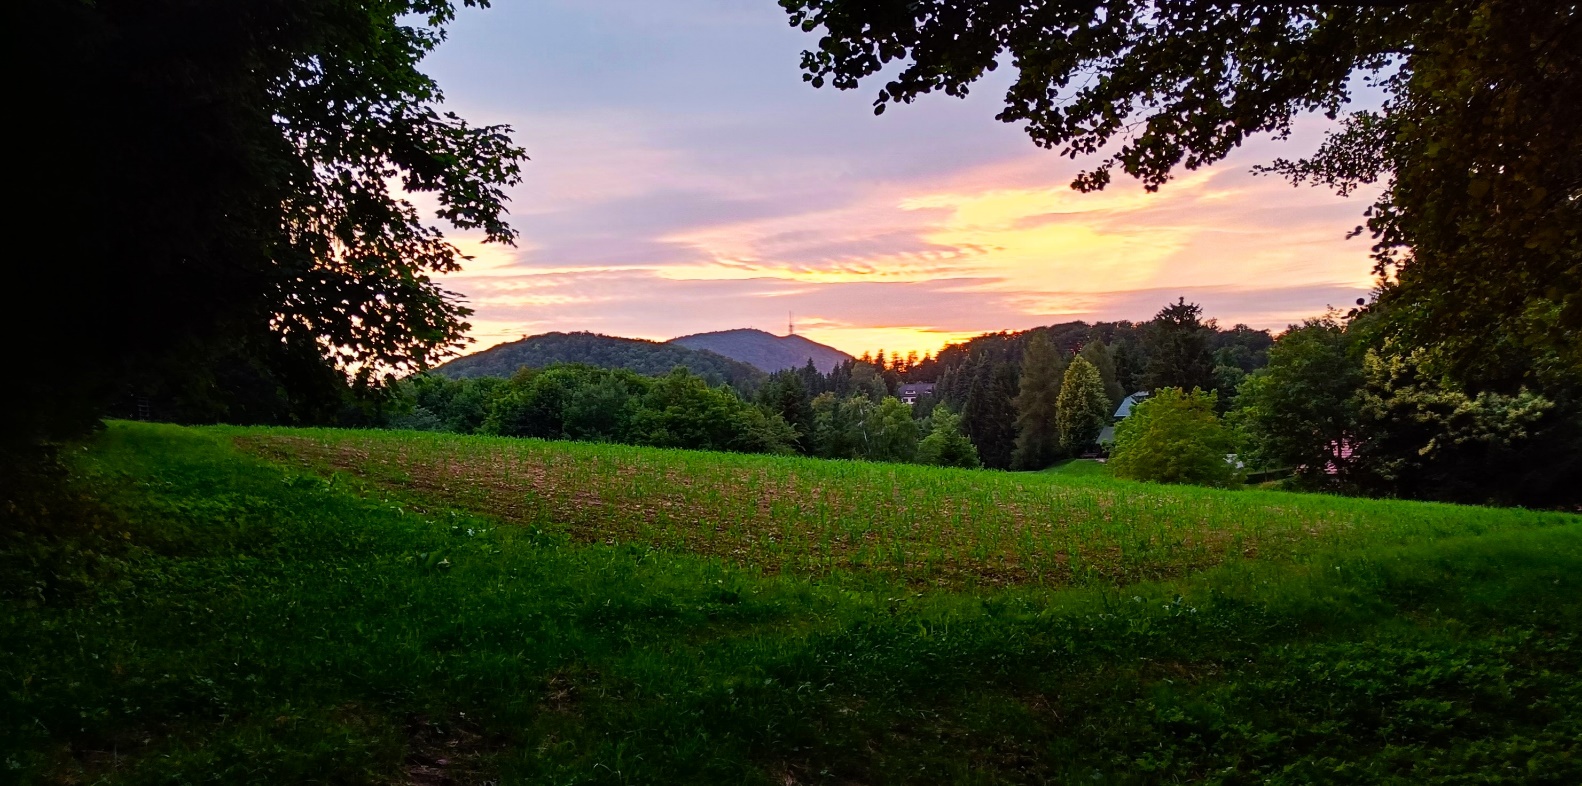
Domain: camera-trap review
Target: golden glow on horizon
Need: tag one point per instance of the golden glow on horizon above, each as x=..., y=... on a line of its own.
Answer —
x=851, y=339
x=856, y=340
x=982, y=257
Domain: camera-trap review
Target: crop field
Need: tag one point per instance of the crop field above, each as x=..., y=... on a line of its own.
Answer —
x=267, y=606
x=925, y=525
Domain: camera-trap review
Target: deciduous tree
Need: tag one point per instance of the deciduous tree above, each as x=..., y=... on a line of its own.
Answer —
x=945, y=445
x=1425, y=436
x=1098, y=353
x=1301, y=411
x=1479, y=224
x=896, y=434
x=1083, y=408
x=226, y=178
x=1173, y=437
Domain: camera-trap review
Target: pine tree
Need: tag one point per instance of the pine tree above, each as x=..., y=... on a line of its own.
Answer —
x=832, y=433
x=1037, y=434
x=813, y=381
x=1179, y=356
x=1083, y=408
x=1131, y=365
x=989, y=415
x=840, y=378
x=1098, y=354
x=786, y=395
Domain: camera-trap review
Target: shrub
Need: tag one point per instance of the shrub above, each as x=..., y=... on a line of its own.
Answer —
x=945, y=445
x=1174, y=437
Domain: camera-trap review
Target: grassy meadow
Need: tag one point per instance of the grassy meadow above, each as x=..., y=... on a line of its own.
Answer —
x=924, y=525
x=313, y=606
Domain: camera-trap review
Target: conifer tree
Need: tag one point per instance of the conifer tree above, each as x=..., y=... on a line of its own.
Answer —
x=989, y=414
x=1178, y=342
x=1037, y=433
x=1083, y=408
x=1130, y=365
x=812, y=380
x=1098, y=354
x=786, y=395
x=831, y=429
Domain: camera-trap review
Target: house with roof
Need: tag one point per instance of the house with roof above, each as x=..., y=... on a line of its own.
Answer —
x=910, y=392
x=1107, y=435
x=1125, y=409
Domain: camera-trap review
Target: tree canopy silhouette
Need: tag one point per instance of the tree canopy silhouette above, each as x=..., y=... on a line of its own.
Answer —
x=1479, y=227
x=239, y=179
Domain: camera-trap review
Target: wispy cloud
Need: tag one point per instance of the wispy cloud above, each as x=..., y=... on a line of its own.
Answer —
x=684, y=180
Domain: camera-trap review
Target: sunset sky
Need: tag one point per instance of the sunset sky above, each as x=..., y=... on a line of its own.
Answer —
x=684, y=179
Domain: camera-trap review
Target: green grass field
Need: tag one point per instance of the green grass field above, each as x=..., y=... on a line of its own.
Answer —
x=279, y=606
x=924, y=525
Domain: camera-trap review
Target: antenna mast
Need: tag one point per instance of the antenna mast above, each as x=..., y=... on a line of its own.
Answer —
x=790, y=324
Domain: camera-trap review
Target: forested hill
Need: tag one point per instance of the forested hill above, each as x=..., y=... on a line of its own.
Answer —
x=633, y=354
x=766, y=351
x=1226, y=353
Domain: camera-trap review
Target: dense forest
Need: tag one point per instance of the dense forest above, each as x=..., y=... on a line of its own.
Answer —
x=981, y=379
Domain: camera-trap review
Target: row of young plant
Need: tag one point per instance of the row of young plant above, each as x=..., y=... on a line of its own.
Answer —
x=681, y=410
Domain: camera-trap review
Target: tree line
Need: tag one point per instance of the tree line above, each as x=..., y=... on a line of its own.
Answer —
x=1339, y=408
x=1009, y=387
x=852, y=415
x=1006, y=400
x=1346, y=410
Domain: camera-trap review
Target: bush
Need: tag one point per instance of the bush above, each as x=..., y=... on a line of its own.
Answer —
x=1174, y=437
x=945, y=445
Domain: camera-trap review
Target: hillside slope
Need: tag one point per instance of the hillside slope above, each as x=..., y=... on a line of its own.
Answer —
x=765, y=351
x=643, y=357
x=344, y=609
x=939, y=527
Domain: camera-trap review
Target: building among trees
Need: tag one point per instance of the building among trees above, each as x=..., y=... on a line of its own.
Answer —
x=1107, y=435
x=912, y=392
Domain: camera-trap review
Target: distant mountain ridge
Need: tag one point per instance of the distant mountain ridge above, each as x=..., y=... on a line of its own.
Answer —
x=594, y=349
x=765, y=351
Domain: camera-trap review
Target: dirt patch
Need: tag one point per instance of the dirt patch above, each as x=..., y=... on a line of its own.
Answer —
x=451, y=751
